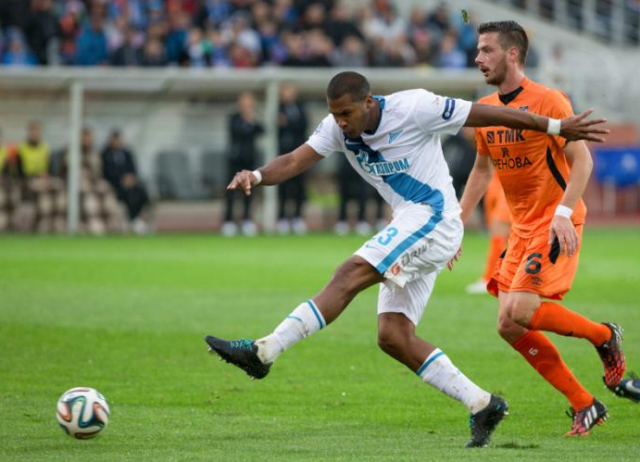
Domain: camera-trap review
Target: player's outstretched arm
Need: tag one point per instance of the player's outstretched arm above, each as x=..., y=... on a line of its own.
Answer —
x=573, y=128
x=278, y=170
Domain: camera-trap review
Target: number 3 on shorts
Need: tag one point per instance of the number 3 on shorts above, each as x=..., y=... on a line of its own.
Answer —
x=391, y=233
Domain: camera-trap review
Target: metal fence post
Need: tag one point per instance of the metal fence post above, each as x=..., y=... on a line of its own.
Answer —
x=73, y=178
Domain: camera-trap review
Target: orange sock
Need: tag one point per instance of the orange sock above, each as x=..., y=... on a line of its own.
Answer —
x=553, y=317
x=497, y=244
x=538, y=350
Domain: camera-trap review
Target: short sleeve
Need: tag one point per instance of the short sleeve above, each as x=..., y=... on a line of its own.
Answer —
x=481, y=143
x=558, y=106
x=325, y=139
x=440, y=114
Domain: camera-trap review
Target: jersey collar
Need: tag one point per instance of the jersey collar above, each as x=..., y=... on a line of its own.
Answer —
x=382, y=102
x=508, y=97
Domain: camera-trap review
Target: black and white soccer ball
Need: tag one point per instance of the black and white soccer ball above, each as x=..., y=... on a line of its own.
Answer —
x=82, y=412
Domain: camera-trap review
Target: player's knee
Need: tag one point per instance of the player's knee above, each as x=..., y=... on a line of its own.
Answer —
x=519, y=311
x=507, y=328
x=390, y=339
x=352, y=276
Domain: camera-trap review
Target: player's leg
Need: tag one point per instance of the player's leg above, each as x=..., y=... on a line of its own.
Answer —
x=544, y=271
x=537, y=349
x=255, y=358
x=545, y=358
x=399, y=310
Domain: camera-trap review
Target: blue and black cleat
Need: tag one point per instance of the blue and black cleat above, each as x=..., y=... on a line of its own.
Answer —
x=628, y=388
x=241, y=353
x=484, y=422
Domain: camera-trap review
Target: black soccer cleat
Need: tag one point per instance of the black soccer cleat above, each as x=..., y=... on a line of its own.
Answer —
x=242, y=353
x=587, y=418
x=484, y=422
x=612, y=356
x=628, y=388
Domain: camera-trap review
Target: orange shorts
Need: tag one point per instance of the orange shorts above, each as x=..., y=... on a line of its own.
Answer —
x=495, y=203
x=532, y=265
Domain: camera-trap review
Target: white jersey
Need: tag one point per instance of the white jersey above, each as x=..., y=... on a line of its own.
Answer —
x=403, y=157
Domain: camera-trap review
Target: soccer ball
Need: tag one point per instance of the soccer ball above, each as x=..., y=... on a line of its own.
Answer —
x=82, y=412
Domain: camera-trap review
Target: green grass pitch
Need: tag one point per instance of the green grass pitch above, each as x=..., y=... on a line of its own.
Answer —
x=127, y=316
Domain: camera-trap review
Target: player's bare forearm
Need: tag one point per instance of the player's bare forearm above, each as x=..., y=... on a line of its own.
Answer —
x=577, y=127
x=476, y=186
x=289, y=165
x=278, y=170
x=581, y=163
x=483, y=115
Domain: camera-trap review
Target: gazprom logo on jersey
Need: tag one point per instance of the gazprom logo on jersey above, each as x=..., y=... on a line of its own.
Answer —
x=449, y=106
x=381, y=168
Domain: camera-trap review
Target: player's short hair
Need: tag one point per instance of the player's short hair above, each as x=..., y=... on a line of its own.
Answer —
x=348, y=83
x=510, y=34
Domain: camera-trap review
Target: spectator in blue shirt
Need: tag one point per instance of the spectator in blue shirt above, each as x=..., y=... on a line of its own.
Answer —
x=17, y=54
x=92, y=42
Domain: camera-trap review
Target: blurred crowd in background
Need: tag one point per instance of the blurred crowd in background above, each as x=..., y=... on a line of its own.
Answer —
x=221, y=34
x=233, y=33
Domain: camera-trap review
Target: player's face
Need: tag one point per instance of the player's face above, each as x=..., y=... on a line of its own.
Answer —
x=352, y=117
x=491, y=59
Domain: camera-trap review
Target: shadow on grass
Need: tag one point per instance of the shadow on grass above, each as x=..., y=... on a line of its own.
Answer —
x=516, y=445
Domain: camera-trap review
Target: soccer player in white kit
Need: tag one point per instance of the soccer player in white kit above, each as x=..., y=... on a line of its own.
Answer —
x=394, y=144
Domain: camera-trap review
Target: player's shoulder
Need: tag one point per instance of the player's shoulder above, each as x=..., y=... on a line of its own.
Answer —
x=491, y=98
x=407, y=96
x=549, y=94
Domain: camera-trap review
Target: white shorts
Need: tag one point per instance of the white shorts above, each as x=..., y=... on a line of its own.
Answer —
x=409, y=253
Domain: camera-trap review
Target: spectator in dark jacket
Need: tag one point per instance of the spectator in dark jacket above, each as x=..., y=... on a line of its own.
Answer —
x=242, y=155
x=40, y=29
x=292, y=121
x=129, y=53
x=119, y=169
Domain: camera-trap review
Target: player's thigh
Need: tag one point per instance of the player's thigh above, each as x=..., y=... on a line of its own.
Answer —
x=414, y=244
x=545, y=271
x=410, y=300
x=507, y=266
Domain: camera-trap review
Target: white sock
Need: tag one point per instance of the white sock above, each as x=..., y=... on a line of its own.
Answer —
x=439, y=371
x=302, y=322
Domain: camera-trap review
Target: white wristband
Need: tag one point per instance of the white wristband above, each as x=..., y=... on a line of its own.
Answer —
x=554, y=126
x=563, y=211
x=258, y=176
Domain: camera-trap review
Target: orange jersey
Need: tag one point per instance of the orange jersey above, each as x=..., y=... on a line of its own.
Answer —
x=532, y=166
x=495, y=204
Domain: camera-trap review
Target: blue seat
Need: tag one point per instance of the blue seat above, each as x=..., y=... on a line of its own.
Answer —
x=619, y=167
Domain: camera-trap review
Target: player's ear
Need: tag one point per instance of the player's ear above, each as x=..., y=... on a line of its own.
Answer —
x=514, y=54
x=368, y=101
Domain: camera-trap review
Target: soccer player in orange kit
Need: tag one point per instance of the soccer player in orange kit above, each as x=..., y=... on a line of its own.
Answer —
x=543, y=178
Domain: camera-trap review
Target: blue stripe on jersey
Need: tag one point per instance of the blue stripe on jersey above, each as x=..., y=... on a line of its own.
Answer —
x=408, y=242
x=422, y=368
x=316, y=312
x=449, y=106
x=402, y=184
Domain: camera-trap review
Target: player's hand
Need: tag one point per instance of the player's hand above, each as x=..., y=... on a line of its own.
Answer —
x=243, y=180
x=455, y=258
x=562, y=228
x=578, y=127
